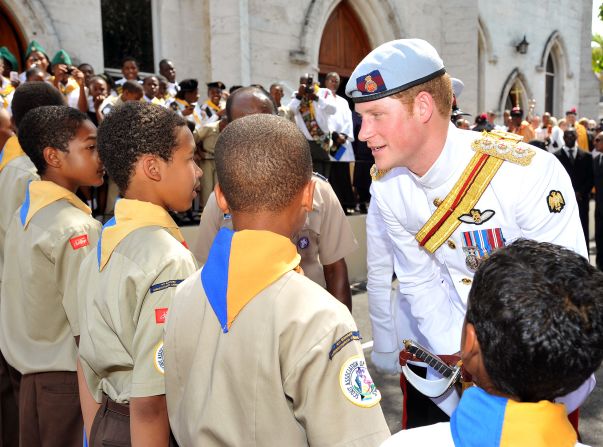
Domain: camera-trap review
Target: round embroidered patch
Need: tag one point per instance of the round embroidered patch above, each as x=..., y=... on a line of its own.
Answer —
x=158, y=358
x=356, y=383
x=303, y=242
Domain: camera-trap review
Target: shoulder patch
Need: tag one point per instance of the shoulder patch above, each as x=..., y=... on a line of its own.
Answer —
x=555, y=201
x=158, y=358
x=79, y=241
x=161, y=314
x=376, y=174
x=356, y=383
x=164, y=285
x=343, y=341
x=506, y=146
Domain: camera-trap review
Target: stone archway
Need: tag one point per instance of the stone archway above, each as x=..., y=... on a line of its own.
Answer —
x=515, y=92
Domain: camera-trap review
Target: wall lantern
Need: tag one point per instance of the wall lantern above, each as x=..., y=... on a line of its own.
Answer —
x=522, y=47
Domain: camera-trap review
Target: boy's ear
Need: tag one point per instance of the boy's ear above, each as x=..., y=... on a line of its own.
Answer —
x=53, y=157
x=308, y=195
x=470, y=349
x=221, y=199
x=151, y=168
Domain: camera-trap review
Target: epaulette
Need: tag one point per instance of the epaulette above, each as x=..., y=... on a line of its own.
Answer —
x=504, y=145
x=376, y=173
x=320, y=176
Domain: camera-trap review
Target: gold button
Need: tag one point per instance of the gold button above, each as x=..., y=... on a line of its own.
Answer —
x=437, y=202
x=451, y=244
x=466, y=281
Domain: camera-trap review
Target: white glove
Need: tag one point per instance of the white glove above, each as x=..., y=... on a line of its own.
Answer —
x=387, y=362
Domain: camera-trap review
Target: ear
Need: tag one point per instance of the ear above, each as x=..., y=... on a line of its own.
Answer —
x=470, y=349
x=53, y=157
x=424, y=106
x=221, y=199
x=151, y=167
x=308, y=195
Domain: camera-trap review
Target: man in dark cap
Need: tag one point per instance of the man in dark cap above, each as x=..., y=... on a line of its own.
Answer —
x=521, y=127
x=186, y=102
x=443, y=200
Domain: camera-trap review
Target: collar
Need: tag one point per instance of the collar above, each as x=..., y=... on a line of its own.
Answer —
x=448, y=163
x=12, y=149
x=240, y=265
x=130, y=215
x=212, y=105
x=41, y=193
x=483, y=419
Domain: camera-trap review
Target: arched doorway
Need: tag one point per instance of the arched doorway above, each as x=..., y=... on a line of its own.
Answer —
x=12, y=36
x=343, y=45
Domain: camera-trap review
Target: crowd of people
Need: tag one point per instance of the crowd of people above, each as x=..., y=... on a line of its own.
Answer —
x=324, y=117
x=122, y=334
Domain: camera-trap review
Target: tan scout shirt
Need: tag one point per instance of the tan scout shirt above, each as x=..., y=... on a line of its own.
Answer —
x=208, y=134
x=269, y=381
x=38, y=310
x=13, y=181
x=325, y=238
x=123, y=309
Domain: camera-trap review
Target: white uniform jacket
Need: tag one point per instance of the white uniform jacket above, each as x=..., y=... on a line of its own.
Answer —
x=516, y=204
x=323, y=108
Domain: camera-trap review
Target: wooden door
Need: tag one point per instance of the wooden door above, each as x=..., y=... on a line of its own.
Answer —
x=11, y=36
x=344, y=42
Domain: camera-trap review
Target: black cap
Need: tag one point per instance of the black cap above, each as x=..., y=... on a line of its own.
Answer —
x=188, y=85
x=216, y=84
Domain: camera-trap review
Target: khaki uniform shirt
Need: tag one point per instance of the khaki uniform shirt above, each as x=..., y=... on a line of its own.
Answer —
x=13, y=182
x=38, y=310
x=325, y=238
x=122, y=311
x=282, y=375
x=208, y=134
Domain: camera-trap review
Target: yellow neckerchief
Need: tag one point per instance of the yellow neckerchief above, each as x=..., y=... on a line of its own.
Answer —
x=41, y=193
x=541, y=424
x=184, y=103
x=6, y=88
x=130, y=215
x=12, y=149
x=212, y=105
x=240, y=265
x=65, y=89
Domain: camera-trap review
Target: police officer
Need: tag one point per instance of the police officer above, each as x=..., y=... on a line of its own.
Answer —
x=445, y=198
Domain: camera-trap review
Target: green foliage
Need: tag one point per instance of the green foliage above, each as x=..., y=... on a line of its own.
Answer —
x=597, y=53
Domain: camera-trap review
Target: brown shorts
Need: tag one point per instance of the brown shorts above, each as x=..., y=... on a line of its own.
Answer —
x=49, y=410
x=9, y=411
x=111, y=426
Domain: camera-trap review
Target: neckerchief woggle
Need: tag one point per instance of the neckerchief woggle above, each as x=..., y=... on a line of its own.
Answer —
x=484, y=420
x=41, y=193
x=240, y=265
x=130, y=215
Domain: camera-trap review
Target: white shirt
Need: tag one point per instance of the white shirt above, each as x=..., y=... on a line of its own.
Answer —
x=341, y=122
x=323, y=108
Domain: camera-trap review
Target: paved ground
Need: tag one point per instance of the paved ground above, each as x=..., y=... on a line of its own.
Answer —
x=591, y=421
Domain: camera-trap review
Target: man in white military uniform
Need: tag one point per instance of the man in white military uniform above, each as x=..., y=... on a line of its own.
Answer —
x=446, y=197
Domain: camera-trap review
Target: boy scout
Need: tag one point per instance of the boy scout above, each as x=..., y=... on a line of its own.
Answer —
x=127, y=285
x=46, y=241
x=533, y=332
x=257, y=354
x=16, y=171
x=326, y=237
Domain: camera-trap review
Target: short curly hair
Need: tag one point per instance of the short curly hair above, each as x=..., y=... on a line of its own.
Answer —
x=48, y=126
x=34, y=94
x=132, y=130
x=262, y=162
x=537, y=309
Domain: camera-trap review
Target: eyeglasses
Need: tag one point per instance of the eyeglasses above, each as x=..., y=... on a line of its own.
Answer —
x=597, y=140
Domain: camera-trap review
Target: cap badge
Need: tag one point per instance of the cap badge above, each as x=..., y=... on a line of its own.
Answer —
x=371, y=83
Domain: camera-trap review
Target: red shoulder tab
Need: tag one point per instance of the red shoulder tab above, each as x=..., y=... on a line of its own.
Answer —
x=79, y=241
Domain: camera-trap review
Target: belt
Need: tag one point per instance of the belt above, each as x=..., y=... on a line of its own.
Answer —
x=115, y=407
